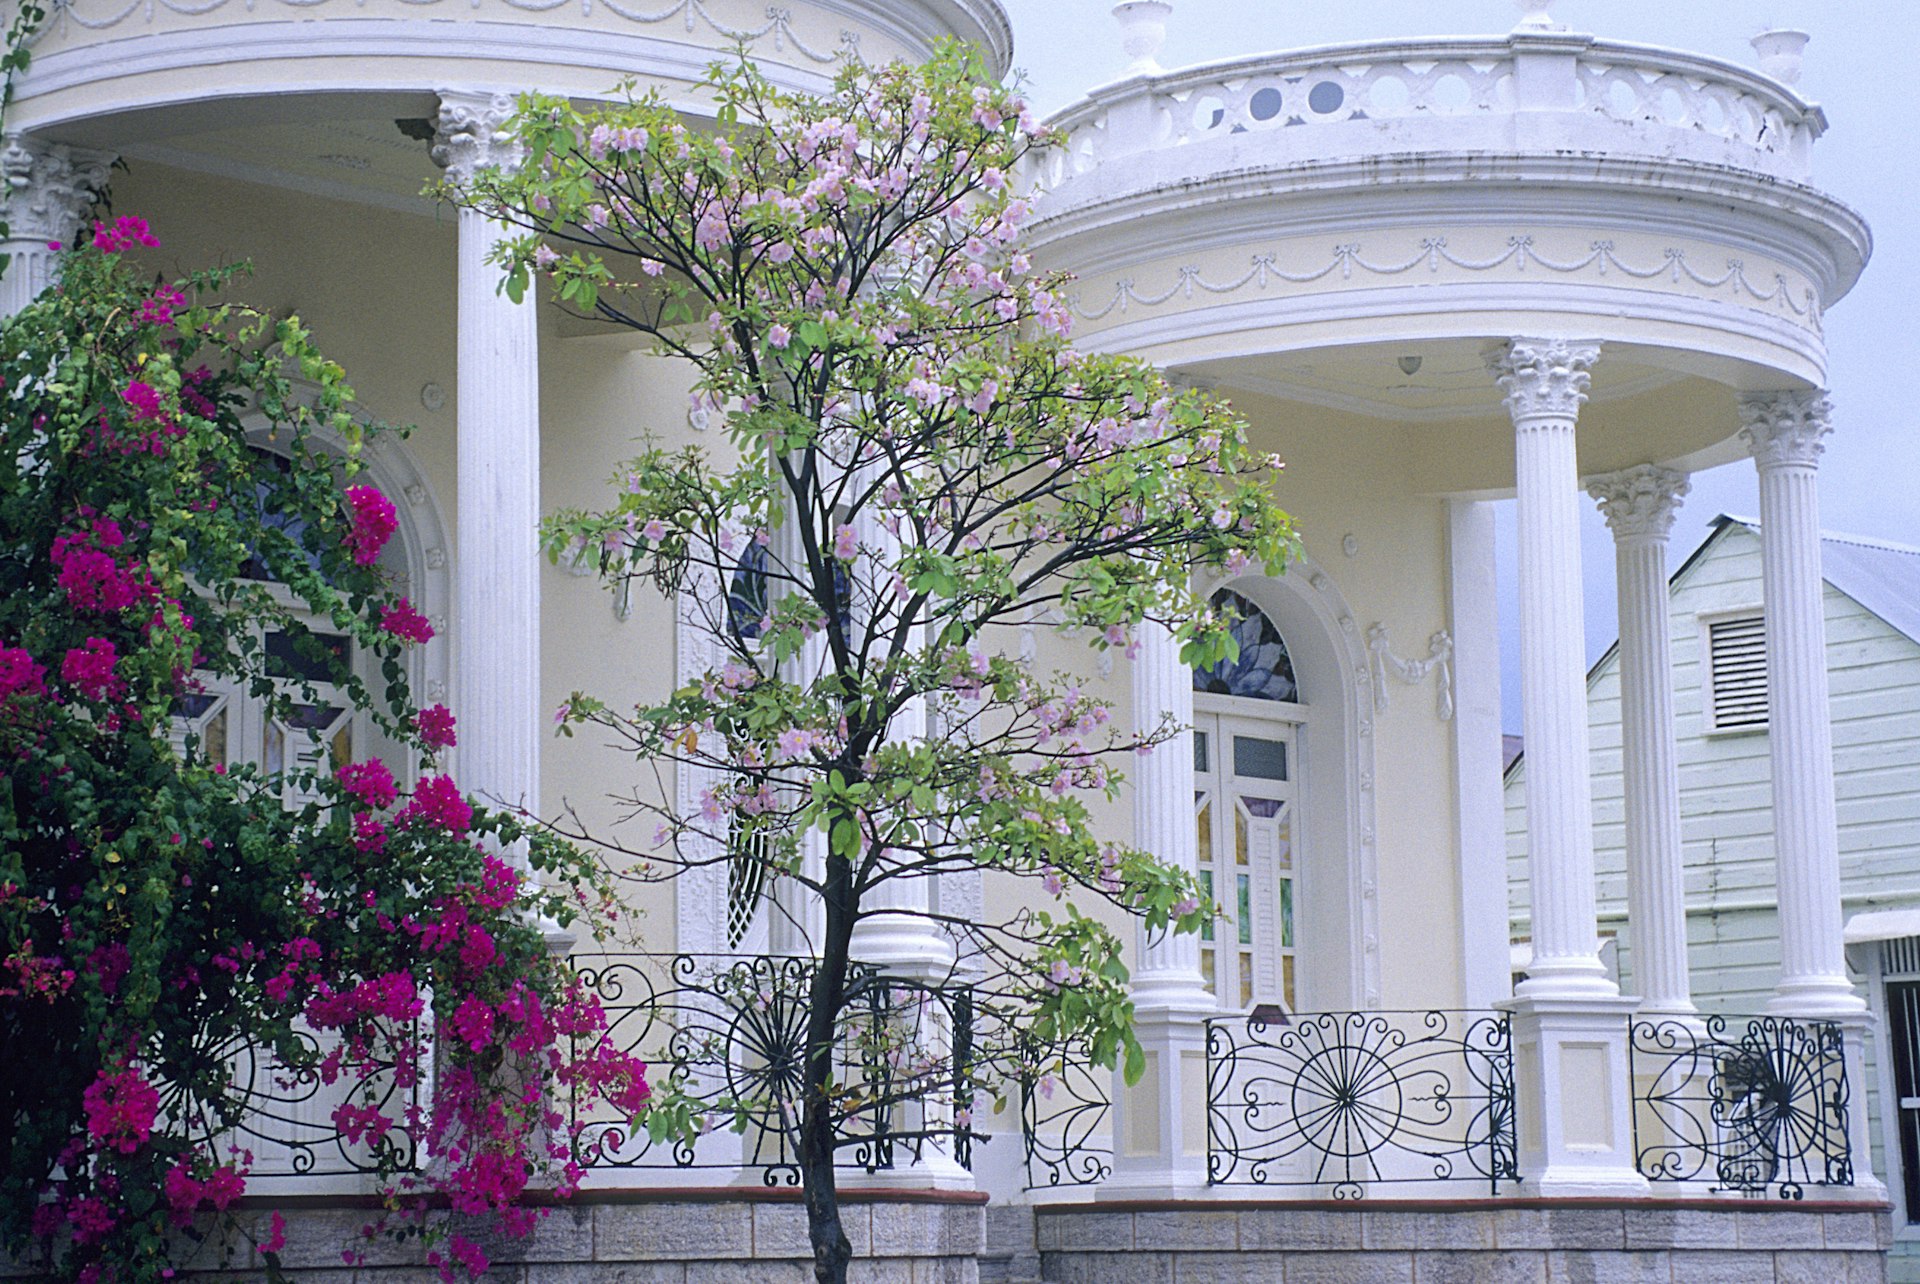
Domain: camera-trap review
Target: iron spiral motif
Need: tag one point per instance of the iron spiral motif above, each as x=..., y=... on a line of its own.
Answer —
x=1347, y=1101
x=282, y=1109
x=1064, y=1108
x=1749, y=1104
x=730, y=1031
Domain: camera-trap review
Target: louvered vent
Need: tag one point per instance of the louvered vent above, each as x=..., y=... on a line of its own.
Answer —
x=1900, y=958
x=1737, y=661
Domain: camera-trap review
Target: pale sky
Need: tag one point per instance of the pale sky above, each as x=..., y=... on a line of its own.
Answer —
x=1859, y=66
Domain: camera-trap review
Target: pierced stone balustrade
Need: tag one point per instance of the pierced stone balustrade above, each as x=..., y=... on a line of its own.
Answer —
x=1531, y=90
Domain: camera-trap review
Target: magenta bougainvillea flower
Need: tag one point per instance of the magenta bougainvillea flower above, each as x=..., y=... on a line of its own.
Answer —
x=374, y=522
x=403, y=621
x=435, y=725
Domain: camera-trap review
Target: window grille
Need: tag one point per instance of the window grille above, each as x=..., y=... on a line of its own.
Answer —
x=1903, y=1035
x=1737, y=673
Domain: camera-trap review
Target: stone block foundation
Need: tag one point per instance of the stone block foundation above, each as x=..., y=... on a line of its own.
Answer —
x=732, y=1235
x=1705, y=1241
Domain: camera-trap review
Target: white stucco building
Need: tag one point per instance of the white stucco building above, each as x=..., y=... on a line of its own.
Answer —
x=1431, y=273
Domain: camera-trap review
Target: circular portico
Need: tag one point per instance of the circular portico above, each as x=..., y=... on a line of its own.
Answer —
x=1437, y=271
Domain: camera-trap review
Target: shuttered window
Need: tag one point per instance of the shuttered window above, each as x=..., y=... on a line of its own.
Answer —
x=1737, y=673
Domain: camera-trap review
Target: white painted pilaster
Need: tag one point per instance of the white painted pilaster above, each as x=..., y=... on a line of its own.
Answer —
x=1783, y=430
x=1639, y=504
x=1479, y=804
x=1573, y=1095
x=50, y=188
x=1160, y=1138
x=497, y=422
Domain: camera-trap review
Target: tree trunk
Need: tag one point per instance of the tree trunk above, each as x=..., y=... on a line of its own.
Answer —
x=831, y=1249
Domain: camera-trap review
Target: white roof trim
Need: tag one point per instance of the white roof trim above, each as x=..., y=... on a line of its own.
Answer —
x=1882, y=925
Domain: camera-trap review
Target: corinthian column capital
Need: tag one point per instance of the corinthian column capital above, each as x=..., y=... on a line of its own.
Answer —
x=1544, y=377
x=1639, y=502
x=50, y=187
x=470, y=134
x=1785, y=428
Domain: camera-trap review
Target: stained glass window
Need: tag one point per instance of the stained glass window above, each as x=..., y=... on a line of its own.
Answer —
x=1262, y=670
x=747, y=594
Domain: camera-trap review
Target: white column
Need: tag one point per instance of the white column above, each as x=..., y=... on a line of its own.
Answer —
x=1545, y=382
x=1784, y=432
x=1639, y=504
x=50, y=188
x=1479, y=803
x=1573, y=1098
x=1160, y=1123
x=497, y=566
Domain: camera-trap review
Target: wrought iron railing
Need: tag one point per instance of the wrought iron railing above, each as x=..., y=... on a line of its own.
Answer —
x=730, y=1031
x=1349, y=1101
x=1750, y=1104
x=1065, y=1109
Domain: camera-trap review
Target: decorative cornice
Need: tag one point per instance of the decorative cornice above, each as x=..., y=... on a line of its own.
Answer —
x=693, y=15
x=1784, y=429
x=1640, y=502
x=470, y=134
x=1543, y=377
x=1263, y=273
x=50, y=187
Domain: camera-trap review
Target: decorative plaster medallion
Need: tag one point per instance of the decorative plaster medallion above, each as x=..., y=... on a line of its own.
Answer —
x=1350, y=544
x=433, y=396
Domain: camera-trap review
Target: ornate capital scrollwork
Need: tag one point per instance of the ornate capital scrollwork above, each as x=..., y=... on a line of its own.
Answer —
x=50, y=187
x=1544, y=377
x=470, y=134
x=1785, y=428
x=1639, y=502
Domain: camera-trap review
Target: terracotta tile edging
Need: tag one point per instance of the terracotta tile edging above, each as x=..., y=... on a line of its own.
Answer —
x=1457, y=1205
x=636, y=1195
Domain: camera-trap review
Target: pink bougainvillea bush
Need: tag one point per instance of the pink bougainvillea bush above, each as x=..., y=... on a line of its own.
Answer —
x=161, y=907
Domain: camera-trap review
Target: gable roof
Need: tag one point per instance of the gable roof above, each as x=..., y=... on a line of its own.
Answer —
x=1879, y=574
x=1882, y=576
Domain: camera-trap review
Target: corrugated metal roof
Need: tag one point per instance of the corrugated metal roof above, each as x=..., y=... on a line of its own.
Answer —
x=1879, y=574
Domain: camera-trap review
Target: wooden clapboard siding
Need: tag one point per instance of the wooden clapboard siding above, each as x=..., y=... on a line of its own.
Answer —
x=1726, y=798
x=1725, y=791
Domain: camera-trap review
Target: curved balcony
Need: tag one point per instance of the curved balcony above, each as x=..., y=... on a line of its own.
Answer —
x=1453, y=191
x=99, y=57
x=1524, y=92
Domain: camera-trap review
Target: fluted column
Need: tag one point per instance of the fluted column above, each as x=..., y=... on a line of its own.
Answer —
x=1545, y=382
x=1639, y=504
x=50, y=188
x=1784, y=431
x=1163, y=823
x=1160, y=1133
x=497, y=421
x=1571, y=1076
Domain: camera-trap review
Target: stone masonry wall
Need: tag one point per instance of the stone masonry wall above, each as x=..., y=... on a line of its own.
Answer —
x=727, y=1238
x=1695, y=1242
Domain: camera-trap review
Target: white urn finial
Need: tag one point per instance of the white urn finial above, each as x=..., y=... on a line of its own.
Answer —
x=1143, y=29
x=1534, y=16
x=1779, y=51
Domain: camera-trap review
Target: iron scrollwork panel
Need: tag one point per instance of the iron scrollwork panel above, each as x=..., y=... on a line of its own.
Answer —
x=730, y=1030
x=1064, y=1117
x=1348, y=1100
x=1748, y=1104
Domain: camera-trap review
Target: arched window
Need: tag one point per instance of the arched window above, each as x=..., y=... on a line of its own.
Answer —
x=1246, y=804
x=308, y=662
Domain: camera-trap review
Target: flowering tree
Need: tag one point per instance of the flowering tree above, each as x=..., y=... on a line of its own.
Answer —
x=924, y=465
x=163, y=911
